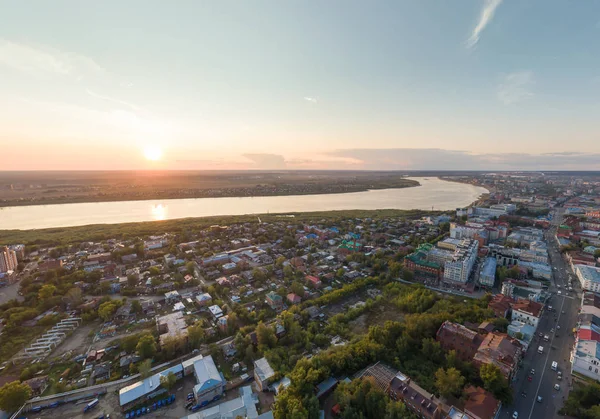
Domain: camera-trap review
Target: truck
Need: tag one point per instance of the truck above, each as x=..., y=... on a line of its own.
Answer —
x=91, y=405
x=554, y=365
x=540, y=349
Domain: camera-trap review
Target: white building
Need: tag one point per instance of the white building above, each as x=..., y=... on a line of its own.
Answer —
x=459, y=269
x=526, y=311
x=589, y=277
x=585, y=359
x=487, y=276
x=468, y=231
x=211, y=383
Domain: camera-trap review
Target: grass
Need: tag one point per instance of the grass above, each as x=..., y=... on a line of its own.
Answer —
x=98, y=232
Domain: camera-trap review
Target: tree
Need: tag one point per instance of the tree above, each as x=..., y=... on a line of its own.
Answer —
x=297, y=288
x=265, y=335
x=107, y=310
x=74, y=297
x=495, y=383
x=154, y=271
x=132, y=280
x=279, y=261
x=449, y=382
x=597, y=254
x=196, y=335
x=136, y=307
x=168, y=381
x=13, y=395
x=146, y=347
x=46, y=291
x=191, y=268
x=144, y=368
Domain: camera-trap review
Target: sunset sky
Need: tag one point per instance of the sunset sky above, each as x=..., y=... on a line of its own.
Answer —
x=427, y=84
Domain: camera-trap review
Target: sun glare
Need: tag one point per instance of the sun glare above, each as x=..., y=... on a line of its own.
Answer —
x=152, y=153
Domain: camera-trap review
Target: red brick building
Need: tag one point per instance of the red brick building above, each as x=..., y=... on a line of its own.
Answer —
x=454, y=336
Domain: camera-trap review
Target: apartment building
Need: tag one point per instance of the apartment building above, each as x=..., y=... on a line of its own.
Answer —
x=460, y=267
x=8, y=259
x=589, y=277
x=454, y=336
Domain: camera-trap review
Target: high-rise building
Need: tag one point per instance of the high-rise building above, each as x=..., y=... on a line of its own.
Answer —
x=8, y=260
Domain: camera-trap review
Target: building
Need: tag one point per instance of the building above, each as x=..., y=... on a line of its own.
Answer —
x=585, y=359
x=171, y=326
x=314, y=281
x=19, y=249
x=211, y=383
x=459, y=269
x=527, y=311
x=481, y=404
x=422, y=268
x=263, y=373
x=216, y=311
x=38, y=385
x=500, y=350
x=147, y=388
x=243, y=406
x=589, y=277
x=294, y=298
x=423, y=404
x=500, y=304
x=487, y=276
x=274, y=301
x=203, y=299
x=454, y=336
x=8, y=259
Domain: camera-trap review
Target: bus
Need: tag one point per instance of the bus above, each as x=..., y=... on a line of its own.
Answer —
x=91, y=405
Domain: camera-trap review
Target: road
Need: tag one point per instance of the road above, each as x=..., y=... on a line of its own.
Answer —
x=564, y=315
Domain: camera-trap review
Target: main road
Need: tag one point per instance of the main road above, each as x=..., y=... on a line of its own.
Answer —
x=558, y=325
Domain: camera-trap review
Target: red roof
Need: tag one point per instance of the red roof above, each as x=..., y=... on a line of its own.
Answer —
x=588, y=334
x=313, y=279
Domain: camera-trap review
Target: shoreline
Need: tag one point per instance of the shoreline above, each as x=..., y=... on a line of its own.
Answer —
x=165, y=196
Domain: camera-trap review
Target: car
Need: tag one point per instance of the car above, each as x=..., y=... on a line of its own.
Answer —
x=563, y=312
x=524, y=393
x=532, y=372
x=556, y=387
x=539, y=399
x=558, y=327
x=515, y=415
x=190, y=404
x=540, y=334
x=529, y=378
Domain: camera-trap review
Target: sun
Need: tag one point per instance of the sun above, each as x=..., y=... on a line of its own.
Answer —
x=152, y=153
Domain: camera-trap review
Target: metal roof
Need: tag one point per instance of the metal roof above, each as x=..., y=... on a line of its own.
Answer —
x=207, y=374
x=146, y=386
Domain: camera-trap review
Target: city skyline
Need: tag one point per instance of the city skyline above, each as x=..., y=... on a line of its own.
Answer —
x=479, y=85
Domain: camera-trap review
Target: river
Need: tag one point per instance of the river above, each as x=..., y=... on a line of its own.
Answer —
x=433, y=193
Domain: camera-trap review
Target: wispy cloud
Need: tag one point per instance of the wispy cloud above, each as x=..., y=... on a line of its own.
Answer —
x=311, y=99
x=486, y=16
x=43, y=61
x=113, y=100
x=515, y=87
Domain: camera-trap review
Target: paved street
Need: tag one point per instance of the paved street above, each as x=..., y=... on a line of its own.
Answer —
x=564, y=315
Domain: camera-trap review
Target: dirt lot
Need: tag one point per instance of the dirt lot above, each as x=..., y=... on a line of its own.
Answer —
x=78, y=342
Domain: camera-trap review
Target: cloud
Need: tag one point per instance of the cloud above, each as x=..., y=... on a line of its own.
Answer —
x=266, y=161
x=515, y=87
x=440, y=159
x=486, y=16
x=43, y=61
x=113, y=100
x=311, y=99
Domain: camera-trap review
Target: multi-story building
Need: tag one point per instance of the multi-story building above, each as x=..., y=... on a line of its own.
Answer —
x=589, y=277
x=585, y=359
x=460, y=267
x=454, y=336
x=527, y=311
x=422, y=403
x=8, y=259
x=19, y=250
x=487, y=276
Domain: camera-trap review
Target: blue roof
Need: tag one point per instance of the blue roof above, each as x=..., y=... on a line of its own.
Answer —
x=324, y=386
x=489, y=267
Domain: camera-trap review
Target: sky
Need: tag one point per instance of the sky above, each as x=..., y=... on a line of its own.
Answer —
x=307, y=84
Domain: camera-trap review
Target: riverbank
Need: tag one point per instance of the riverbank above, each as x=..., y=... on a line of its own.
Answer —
x=98, y=232
x=71, y=188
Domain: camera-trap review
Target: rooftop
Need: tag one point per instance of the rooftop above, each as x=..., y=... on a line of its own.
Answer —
x=145, y=386
x=263, y=369
x=528, y=306
x=172, y=325
x=207, y=374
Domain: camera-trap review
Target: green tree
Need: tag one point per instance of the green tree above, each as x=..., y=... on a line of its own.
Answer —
x=74, y=297
x=279, y=261
x=449, y=382
x=297, y=288
x=196, y=335
x=191, y=268
x=136, y=307
x=132, y=280
x=46, y=291
x=495, y=383
x=146, y=347
x=266, y=336
x=107, y=310
x=13, y=395
x=144, y=368
x=168, y=381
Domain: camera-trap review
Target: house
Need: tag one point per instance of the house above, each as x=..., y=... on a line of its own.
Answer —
x=454, y=336
x=216, y=311
x=314, y=281
x=211, y=383
x=500, y=304
x=222, y=323
x=203, y=299
x=293, y=298
x=274, y=301
x=501, y=350
x=423, y=404
x=101, y=372
x=38, y=385
x=526, y=311
x=481, y=404
x=263, y=373
x=172, y=297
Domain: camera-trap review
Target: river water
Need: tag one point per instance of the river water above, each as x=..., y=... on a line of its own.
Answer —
x=433, y=193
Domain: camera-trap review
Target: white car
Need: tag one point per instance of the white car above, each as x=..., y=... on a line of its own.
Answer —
x=556, y=387
x=515, y=415
x=539, y=399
